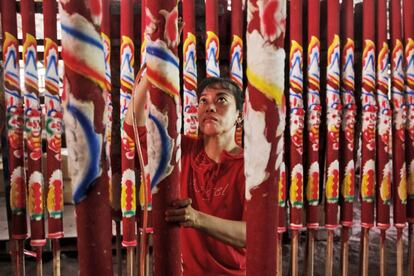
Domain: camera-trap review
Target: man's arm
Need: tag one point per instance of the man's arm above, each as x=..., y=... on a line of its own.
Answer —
x=140, y=99
x=228, y=231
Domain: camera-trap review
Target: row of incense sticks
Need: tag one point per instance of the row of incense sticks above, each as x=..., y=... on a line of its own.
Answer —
x=25, y=128
x=386, y=136
x=24, y=120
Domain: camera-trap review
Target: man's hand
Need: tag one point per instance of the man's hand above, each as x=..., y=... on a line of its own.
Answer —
x=228, y=231
x=182, y=213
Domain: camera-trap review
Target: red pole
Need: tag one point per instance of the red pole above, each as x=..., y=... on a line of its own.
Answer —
x=163, y=126
x=53, y=123
x=106, y=37
x=281, y=222
x=33, y=131
x=212, y=40
x=369, y=109
x=14, y=116
x=313, y=111
x=128, y=194
x=282, y=198
x=408, y=13
x=399, y=117
x=369, y=121
x=333, y=110
x=236, y=52
x=348, y=129
x=398, y=131
x=127, y=56
x=384, y=146
x=264, y=126
x=84, y=101
x=112, y=142
x=128, y=183
x=296, y=124
x=189, y=70
x=143, y=27
x=333, y=113
x=348, y=126
x=105, y=34
x=236, y=48
x=314, y=116
x=54, y=132
x=384, y=134
x=296, y=115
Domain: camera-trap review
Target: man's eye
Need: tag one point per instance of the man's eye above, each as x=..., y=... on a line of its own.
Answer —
x=202, y=101
x=222, y=100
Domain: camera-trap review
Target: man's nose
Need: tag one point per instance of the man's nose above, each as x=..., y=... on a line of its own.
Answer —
x=211, y=107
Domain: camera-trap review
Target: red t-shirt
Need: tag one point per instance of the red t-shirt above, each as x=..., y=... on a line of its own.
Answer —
x=216, y=189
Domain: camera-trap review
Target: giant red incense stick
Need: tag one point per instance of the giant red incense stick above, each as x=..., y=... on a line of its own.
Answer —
x=384, y=134
x=163, y=128
x=349, y=114
x=333, y=114
x=143, y=27
x=236, y=48
x=128, y=185
x=398, y=130
x=33, y=131
x=84, y=101
x=53, y=123
x=14, y=113
x=369, y=121
x=53, y=132
x=408, y=13
x=264, y=126
x=296, y=124
x=212, y=40
x=313, y=112
x=282, y=197
x=236, y=52
x=14, y=117
x=111, y=149
x=128, y=195
x=384, y=146
x=189, y=70
x=145, y=196
x=347, y=175
x=399, y=117
x=105, y=34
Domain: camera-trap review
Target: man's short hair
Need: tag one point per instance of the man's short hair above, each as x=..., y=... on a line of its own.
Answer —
x=223, y=83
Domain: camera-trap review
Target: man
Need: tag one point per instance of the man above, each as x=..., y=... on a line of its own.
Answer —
x=212, y=210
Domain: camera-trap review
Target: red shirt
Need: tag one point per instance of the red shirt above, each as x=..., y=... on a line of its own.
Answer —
x=216, y=189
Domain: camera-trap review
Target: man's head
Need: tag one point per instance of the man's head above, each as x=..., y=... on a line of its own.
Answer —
x=223, y=83
x=220, y=106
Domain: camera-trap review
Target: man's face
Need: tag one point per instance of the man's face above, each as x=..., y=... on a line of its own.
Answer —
x=217, y=111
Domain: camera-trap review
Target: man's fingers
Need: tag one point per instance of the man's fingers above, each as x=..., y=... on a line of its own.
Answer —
x=180, y=203
x=186, y=224
x=179, y=219
x=176, y=212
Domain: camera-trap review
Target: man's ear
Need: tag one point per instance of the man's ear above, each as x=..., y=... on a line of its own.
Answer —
x=239, y=120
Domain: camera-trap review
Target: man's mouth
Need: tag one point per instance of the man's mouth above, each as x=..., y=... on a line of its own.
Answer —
x=210, y=119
